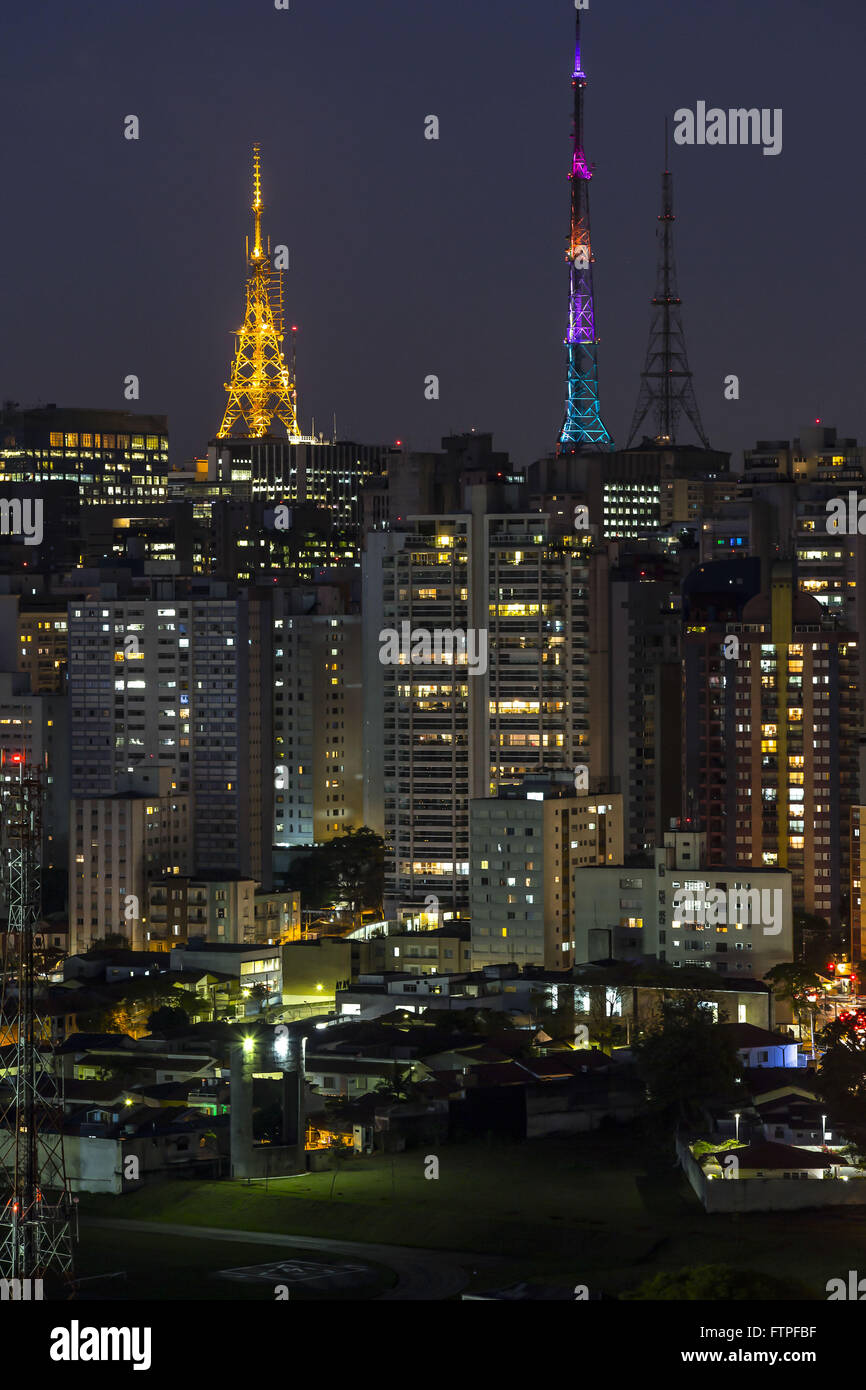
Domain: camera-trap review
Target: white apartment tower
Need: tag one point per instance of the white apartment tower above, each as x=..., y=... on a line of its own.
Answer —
x=457, y=728
x=118, y=844
x=318, y=726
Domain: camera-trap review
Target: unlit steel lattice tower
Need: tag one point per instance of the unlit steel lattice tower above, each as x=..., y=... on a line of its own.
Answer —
x=36, y=1238
x=667, y=390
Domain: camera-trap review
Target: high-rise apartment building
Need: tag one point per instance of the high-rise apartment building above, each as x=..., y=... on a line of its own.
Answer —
x=318, y=723
x=181, y=681
x=34, y=640
x=771, y=740
x=35, y=727
x=649, y=908
x=110, y=455
x=634, y=492
x=858, y=873
x=525, y=845
x=180, y=908
x=463, y=720
x=118, y=844
x=636, y=686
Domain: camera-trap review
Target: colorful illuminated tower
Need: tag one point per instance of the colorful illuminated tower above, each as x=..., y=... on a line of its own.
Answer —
x=583, y=429
x=261, y=385
x=666, y=381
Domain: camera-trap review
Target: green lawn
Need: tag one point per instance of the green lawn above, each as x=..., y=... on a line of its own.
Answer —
x=603, y=1210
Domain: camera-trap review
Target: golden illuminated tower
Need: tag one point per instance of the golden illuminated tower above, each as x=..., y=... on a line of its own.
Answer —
x=261, y=385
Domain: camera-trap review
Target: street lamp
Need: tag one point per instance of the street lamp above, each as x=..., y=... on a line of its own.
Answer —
x=824, y=1130
x=737, y=1124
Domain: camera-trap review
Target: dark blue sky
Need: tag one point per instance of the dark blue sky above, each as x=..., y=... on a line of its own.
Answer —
x=412, y=257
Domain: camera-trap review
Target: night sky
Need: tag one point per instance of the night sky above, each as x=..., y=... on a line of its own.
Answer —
x=411, y=257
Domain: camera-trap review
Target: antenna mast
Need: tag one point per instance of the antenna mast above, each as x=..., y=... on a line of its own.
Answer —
x=583, y=429
x=36, y=1211
x=261, y=385
x=667, y=388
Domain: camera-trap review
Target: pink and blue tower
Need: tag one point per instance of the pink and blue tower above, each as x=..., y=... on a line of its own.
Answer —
x=583, y=429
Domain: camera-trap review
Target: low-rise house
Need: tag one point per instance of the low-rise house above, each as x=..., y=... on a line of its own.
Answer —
x=440, y=951
x=333, y=1075
x=277, y=917
x=374, y=995
x=536, y=1106
x=120, y=1150
x=793, y=1120
x=763, y=1175
x=315, y=968
x=756, y=1047
x=142, y=1062
x=766, y=1159
x=249, y=965
x=109, y=964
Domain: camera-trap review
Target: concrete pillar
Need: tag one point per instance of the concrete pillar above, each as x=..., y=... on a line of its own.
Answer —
x=241, y=1098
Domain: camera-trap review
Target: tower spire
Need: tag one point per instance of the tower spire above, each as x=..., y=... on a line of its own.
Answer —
x=257, y=200
x=261, y=385
x=582, y=429
x=667, y=388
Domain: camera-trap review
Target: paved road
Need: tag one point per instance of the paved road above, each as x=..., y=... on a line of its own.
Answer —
x=421, y=1274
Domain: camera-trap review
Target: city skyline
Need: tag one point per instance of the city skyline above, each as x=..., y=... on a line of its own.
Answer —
x=379, y=292
x=432, y=764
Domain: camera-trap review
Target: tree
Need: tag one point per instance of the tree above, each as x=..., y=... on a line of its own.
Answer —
x=399, y=1086
x=559, y=1022
x=350, y=868
x=814, y=940
x=313, y=877
x=358, y=860
x=842, y=1078
x=794, y=983
x=685, y=1059
x=167, y=1017
x=603, y=1026
x=261, y=994
x=114, y=1018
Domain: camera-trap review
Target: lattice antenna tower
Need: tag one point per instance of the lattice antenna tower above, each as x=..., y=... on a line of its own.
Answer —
x=667, y=390
x=36, y=1209
x=261, y=387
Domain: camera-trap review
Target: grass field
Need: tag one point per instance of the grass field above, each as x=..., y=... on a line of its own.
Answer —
x=607, y=1211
